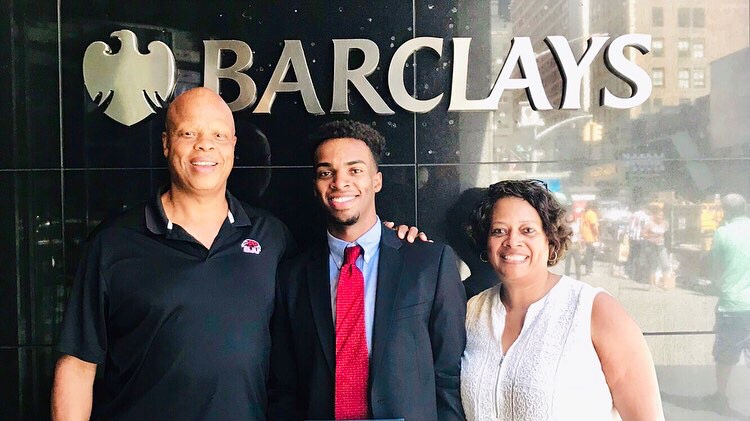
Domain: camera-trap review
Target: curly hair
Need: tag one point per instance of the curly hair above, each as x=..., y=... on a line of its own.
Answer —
x=535, y=193
x=349, y=129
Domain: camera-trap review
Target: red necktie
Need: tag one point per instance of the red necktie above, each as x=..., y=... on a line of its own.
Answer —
x=352, y=362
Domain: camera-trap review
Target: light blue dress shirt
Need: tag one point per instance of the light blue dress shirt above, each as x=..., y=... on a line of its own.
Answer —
x=367, y=262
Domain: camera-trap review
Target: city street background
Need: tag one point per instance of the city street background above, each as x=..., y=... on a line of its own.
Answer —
x=684, y=363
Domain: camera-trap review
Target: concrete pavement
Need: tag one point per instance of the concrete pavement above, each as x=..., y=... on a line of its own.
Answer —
x=678, y=325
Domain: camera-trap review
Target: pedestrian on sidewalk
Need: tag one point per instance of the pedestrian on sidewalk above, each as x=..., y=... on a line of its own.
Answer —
x=730, y=265
x=590, y=234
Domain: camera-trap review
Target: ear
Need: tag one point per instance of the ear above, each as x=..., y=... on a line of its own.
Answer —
x=554, y=247
x=314, y=185
x=165, y=144
x=377, y=182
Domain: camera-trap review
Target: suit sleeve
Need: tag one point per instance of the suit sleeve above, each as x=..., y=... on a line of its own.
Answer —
x=282, y=390
x=448, y=337
x=290, y=246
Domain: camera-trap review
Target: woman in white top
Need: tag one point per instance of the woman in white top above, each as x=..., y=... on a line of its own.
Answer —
x=541, y=346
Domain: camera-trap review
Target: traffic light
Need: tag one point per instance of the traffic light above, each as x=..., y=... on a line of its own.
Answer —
x=596, y=132
x=592, y=132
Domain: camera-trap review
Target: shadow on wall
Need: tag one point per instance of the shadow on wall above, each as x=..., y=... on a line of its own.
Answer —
x=482, y=275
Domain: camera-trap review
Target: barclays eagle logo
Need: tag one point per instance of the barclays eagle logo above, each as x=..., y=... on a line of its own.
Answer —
x=129, y=85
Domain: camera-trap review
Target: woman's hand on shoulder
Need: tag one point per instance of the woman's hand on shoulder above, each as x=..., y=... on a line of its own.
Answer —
x=626, y=361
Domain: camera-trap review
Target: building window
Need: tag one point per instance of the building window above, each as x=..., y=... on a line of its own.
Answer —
x=657, y=47
x=699, y=78
x=699, y=17
x=698, y=48
x=657, y=77
x=657, y=16
x=683, y=47
x=685, y=101
x=683, y=78
x=658, y=103
x=683, y=17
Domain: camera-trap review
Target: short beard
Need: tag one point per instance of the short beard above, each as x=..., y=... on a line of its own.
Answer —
x=332, y=220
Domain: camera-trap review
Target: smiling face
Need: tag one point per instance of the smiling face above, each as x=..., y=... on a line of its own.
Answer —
x=517, y=247
x=199, y=142
x=346, y=180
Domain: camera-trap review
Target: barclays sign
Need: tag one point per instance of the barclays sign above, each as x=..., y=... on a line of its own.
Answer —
x=130, y=85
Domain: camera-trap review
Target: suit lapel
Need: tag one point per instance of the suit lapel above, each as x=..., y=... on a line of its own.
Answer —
x=320, y=300
x=389, y=272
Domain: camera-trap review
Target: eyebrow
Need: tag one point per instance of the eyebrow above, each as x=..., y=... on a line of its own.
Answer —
x=328, y=164
x=523, y=222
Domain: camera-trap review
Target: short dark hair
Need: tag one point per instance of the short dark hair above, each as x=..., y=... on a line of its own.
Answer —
x=733, y=205
x=349, y=129
x=535, y=192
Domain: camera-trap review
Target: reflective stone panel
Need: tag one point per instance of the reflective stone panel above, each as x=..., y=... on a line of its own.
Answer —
x=38, y=258
x=396, y=201
x=6, y=98
x=30, y=134
x=285, y=192
x=446, y=136
x=36, y=366
x=9, y=267
x=9, y=396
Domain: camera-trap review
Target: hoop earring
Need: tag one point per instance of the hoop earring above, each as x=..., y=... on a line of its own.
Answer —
x=554, y=259
x=483, y=256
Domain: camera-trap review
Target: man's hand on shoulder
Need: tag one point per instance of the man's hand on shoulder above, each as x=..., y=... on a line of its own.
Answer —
x=406, y=232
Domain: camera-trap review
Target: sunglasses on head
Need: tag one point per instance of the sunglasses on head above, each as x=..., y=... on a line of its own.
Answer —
x=528, y=180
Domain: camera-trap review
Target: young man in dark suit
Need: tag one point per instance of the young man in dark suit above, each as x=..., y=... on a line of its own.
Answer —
x=366, y=326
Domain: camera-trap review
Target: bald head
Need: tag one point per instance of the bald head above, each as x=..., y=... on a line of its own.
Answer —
x=199, y=142
x=195, y=101
x=733, y=205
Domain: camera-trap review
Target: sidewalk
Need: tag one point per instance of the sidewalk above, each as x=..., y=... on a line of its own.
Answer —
x=678, y=325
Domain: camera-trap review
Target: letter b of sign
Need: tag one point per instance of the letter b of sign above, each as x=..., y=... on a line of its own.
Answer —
x=128, y=84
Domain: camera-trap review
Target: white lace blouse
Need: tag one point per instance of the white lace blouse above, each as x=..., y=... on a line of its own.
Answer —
x=551, y=372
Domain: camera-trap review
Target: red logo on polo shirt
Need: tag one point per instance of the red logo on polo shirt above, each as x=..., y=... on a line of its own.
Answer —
x=251, y=246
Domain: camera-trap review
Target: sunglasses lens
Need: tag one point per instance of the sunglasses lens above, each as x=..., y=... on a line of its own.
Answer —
x=512, y=182
x=541, y=183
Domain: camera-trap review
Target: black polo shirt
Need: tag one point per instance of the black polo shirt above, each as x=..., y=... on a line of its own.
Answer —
x=180, y=331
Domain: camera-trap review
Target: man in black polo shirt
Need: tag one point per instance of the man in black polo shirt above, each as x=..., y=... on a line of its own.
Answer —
x=174, y=298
